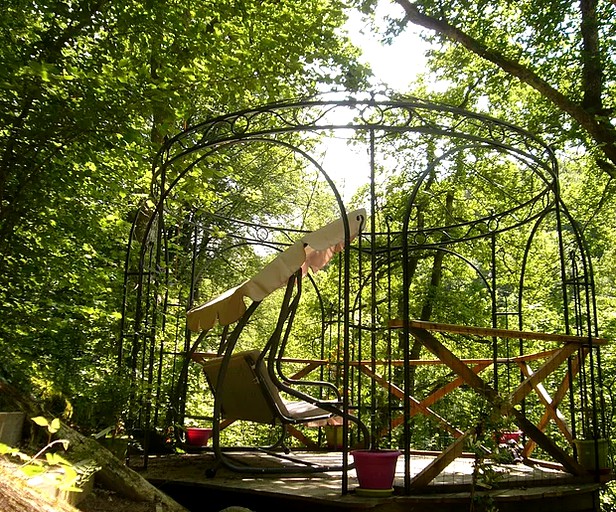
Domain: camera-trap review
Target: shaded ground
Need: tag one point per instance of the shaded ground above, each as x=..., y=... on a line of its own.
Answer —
x=101, y=500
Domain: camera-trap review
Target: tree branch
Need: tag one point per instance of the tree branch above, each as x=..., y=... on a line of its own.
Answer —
x=51, y=44
x=592, y=75
x=599, y=128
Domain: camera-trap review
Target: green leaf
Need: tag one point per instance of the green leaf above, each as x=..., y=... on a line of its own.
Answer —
x=5, y=449
x=56, y=459
x=69, y=478
x=32, y=470
x=55, y=426
x=41, y=421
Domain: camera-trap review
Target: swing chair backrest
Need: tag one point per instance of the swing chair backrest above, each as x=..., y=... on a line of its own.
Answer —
x=248, y=393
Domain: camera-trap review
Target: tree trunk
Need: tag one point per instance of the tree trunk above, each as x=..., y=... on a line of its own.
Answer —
x=594, y=123
x=113, y=475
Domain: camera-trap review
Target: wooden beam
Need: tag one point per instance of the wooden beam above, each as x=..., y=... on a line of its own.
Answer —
x=568, y=462
x=201, y=357
x=428, y=362
x=416, y=406
x=450, y=359
x=505, y=407
x=306, y=441
x=560, y=393
x=546, y=369
x=503, y=333
x=312, y=365
x=446, y=457
x=551, y=407
x=450, y=386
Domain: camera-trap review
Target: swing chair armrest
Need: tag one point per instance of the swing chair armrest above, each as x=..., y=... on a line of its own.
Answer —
x=289, y=383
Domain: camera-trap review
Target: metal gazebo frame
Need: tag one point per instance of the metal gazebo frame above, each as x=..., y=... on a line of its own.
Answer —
x=153, y=357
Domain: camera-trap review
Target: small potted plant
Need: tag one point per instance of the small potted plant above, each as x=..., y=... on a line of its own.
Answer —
x=334, y=433
x=592, y=448
x=592, y=454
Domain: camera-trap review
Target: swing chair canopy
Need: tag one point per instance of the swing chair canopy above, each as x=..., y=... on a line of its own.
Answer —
x=313, y=251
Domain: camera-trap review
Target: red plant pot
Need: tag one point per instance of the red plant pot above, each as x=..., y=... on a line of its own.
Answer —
x=198, y=436
x=505, y=437
x=375, y=469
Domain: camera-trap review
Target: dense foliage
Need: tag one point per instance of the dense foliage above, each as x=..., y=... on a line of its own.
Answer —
x=546, y=66
x=88, y=92
x=548, y=63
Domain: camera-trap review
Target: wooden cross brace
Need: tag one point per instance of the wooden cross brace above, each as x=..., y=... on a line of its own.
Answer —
x=505, y=406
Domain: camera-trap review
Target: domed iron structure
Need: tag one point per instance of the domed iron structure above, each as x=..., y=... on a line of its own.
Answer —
x=457, y=308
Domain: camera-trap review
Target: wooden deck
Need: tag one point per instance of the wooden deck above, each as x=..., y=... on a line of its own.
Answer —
x=515, y=486
x=439, y=481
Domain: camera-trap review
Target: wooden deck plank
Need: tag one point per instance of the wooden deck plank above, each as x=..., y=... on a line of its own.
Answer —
x=521, y=487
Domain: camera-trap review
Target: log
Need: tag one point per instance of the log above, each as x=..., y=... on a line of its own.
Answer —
x=17, y=496
x=113, y=473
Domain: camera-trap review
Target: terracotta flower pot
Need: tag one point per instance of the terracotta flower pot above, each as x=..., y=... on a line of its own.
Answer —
x=197, y=436
x=505, y=437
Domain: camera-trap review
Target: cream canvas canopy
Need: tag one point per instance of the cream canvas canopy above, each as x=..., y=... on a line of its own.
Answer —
x=312, y=251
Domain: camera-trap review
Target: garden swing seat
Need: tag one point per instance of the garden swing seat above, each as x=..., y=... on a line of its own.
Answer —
x=249, y=385
x=250, y=394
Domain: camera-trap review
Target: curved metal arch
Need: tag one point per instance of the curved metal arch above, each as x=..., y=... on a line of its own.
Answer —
x=158, y=209
x=587, y=263
x=432, y=166
x=412, y=116
x=420, y=236
x=220, y=146
x=527, y=250
x=300, y=151
x=365, y=281
x=260, y=120
x=590, y=313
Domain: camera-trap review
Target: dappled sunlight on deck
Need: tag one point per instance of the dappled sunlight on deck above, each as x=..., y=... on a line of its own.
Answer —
x=453, y=486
